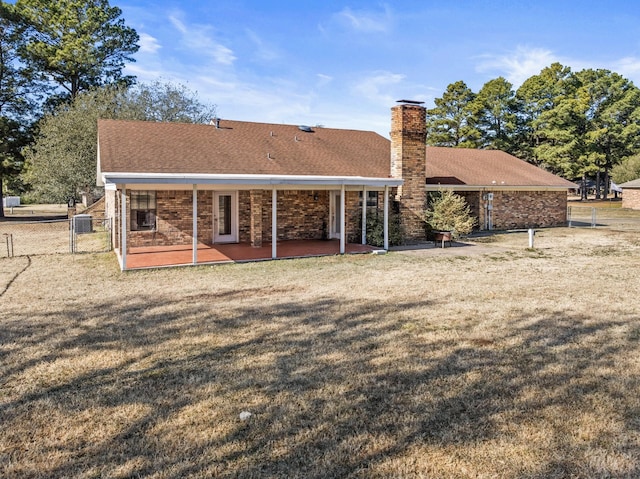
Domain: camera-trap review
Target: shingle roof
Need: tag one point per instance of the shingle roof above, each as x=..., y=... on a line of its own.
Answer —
x=631, y=184
x=464, y=166
x=239, y=147
x=248, y=148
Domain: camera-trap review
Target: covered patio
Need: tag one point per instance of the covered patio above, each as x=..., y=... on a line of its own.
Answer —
x=263, y=212
x=161, y=256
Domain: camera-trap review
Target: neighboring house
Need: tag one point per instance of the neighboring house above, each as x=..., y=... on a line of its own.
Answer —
x=169, y=184
x=631, y=194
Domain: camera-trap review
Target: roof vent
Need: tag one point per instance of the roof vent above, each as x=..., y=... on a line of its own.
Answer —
x=215, y=121
x=305, y=128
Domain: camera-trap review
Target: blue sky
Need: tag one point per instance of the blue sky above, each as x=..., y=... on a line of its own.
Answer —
x=344, y=64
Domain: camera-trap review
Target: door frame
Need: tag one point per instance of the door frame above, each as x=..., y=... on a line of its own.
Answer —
x=334, y=213
x=234, y=235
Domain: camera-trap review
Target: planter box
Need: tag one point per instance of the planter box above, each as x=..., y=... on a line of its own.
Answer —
x=442, y=237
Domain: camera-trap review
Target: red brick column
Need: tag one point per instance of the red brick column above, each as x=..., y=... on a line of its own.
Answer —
x=256, y=218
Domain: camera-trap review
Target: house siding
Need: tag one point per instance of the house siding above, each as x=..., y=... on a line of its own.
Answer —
x=518, y=209
x=300, y=216
x=527, y=209
x=631, y=198
x=174, y=222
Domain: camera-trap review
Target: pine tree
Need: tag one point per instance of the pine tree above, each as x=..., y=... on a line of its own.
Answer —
x=451, y=122
x=448, y=211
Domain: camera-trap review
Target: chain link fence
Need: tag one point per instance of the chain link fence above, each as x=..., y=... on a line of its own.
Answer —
x=589, y=217
x=80, y=234
x=92, y=234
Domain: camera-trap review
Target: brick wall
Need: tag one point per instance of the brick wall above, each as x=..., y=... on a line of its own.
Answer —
x=174, y=222
x=528, y=209
x=631, y=198
x=255, y=217
x=301, y=215
x=518, y=209
x=408, y=156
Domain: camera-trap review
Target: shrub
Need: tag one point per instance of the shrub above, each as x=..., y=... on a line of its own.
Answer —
x=627, y=170
x=375, y=228
x=449, y=212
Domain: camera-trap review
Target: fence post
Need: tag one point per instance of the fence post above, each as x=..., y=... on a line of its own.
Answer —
x=9, y=241
x=569, y=215
x=593, y=217
x=72, y=234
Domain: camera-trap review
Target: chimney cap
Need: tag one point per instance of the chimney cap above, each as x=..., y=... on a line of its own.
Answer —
x=411, y=102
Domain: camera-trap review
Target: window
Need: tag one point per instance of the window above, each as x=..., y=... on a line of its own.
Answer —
x=143, y=210
x=372, y=199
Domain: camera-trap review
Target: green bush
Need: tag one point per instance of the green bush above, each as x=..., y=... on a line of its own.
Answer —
x=375, y=228
x=447, y=211
x=627, y=170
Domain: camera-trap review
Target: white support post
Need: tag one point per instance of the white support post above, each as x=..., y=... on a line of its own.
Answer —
x=274, y=223
x=386, y=218
x=123, y=228
x=195, y=224
x=343, y=232
x=364, y=215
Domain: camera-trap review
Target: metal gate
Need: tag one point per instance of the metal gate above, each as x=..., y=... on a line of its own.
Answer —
x=89, y=234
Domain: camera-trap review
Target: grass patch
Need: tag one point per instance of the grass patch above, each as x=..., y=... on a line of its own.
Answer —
x=402, y=365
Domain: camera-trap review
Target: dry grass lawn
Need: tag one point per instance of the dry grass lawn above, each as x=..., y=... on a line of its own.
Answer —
x=489, y=361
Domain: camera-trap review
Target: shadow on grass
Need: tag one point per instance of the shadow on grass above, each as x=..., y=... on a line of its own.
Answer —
x=335, y=389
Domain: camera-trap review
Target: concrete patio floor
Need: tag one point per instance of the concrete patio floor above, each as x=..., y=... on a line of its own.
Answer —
x=160, y=256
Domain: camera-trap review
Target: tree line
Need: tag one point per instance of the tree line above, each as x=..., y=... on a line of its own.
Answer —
x=579, y=125
x=61, y=68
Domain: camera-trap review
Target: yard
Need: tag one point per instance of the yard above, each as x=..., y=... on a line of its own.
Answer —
x=490, y=360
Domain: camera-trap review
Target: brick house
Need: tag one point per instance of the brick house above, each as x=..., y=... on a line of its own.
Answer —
x=631, y=194
x=169, y=184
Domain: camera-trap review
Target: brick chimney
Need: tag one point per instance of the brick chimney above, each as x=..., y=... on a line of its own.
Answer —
x=408, y=162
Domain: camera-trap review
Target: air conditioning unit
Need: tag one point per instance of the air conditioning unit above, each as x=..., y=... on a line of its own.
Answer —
x=82, y=224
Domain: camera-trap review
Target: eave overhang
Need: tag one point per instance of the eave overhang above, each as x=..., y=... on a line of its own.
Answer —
x=238, y=181
x=501, y=187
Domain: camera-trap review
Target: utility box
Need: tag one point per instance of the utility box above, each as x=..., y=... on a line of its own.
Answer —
x=10, y=201
x=82, y=224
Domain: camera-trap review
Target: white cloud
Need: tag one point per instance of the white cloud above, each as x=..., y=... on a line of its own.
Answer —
x=376, y=87
x=523, y=63
x=200, y=38
x=518, y=65
x=262, y=51
x=628, y=67
x=144, y=73
x=366, y=21
x=148, y=44
x=323, y=79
